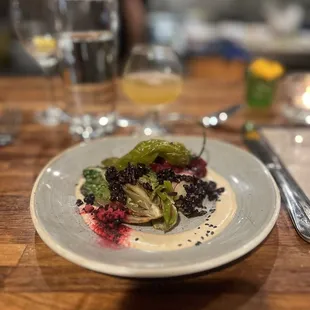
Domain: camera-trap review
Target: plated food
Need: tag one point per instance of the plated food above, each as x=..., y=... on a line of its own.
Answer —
x=152, y=184
x=132, y=219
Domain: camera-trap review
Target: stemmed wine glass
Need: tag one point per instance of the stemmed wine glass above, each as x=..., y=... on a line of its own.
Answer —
x=152, y=79
x=35, y=26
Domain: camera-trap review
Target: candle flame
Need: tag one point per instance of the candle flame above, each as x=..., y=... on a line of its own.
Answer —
x=306, y=98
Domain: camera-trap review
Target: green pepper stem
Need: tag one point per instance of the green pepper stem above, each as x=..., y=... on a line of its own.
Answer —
x=204, y=142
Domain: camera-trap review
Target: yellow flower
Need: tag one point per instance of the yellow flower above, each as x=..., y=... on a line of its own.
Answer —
x=253, y=135
x=266, y=69
x=44, y=44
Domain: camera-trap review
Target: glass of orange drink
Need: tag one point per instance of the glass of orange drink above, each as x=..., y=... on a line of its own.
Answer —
x=152, y=79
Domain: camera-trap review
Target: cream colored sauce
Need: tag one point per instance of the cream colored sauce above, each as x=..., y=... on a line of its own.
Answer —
x=224, y=213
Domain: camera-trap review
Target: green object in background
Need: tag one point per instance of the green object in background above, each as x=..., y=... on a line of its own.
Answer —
x=259, y=92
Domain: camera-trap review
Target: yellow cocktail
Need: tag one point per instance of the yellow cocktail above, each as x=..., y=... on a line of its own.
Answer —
x=152, y=78
x=151, y=88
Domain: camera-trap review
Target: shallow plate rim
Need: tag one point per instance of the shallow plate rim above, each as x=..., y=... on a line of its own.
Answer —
x=162, y=272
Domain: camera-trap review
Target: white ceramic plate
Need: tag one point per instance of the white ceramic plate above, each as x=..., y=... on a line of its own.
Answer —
x=61, y=227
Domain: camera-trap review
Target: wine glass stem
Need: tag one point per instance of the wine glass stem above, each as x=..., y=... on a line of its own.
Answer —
x=152, y=119
x=53, y=115
x=151, y=125
x=48, y=74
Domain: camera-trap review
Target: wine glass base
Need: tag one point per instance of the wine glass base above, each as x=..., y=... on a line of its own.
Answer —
x=125, y=121
x=86, y=127
x=296, y=115
x=150, y=131
x=53, y=116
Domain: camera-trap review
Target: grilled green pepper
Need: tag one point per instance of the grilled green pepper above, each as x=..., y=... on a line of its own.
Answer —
x=147, y=151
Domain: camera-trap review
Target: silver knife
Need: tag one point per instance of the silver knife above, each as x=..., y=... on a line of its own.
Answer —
x=293, y=197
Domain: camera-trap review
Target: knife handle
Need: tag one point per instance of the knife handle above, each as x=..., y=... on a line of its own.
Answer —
x=296, y=202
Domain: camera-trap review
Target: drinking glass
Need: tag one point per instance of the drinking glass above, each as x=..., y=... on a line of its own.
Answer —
x=87, y=43
x=34, y=24
x=152, y=79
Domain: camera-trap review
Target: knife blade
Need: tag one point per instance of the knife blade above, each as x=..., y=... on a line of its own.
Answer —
x=293, y=197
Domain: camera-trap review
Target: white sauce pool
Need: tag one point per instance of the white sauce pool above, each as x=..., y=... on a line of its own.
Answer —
x=209, y=228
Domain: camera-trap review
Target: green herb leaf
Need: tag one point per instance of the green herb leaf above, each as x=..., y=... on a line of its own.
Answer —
x=150, y=178
x=95, y=183
x=169, y=219
x=168, y=186
x=93, y=175
x=170, y=212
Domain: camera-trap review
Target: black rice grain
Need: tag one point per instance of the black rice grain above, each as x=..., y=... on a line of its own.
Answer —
x=79, y=202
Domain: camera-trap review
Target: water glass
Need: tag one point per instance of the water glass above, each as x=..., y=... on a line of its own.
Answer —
x=34, y=24
x=295, y=97
x=87, y=44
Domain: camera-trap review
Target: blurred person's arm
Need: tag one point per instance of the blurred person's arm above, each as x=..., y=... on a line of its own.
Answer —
x=134, y=15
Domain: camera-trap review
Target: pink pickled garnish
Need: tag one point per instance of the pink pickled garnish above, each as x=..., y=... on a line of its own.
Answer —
x=199, y=167
x=88, y=208
x=157, y=167
x=111, y=216
x=107, y=223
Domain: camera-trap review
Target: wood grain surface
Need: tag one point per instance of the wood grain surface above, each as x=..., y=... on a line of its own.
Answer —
x=276, y=275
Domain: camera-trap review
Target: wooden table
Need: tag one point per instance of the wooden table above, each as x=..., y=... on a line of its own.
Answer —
x=276, y=275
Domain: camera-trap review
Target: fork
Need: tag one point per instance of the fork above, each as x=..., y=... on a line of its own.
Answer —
x=10, y=121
